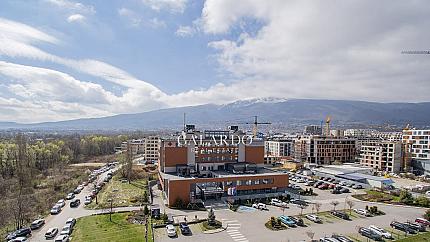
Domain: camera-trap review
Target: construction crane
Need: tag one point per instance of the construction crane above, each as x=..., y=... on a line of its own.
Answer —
x=327, y=126
x=255, y=127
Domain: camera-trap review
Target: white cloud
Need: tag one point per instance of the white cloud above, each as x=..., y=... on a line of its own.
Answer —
x=136, y=20
x=301, y=49
x=174, y=6
x=73, y=6
x=78, y=18
x=285, y=49
x=185, y=31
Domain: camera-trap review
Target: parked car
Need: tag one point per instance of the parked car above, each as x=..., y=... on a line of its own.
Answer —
x=381, y=231
x=297, y=187
x=350, y=185
x=277, y=202
x=55, y=210
x=61, y=203
x=402, y=227
x=341, y=238
x=416, y=226
x=358, y=186
x=71, y=222
x=313, y=218
x=343, y=183
x=88, y=200
x=67, y=230
x=18, y=239
x=336, y=191
x=332, y=186
x=309, y=183
x=185, y=229
x=298, y=221
x=344, y=190
x=362, y=212
x=62, y=238
x=51, y=233
x=287, y=221
x=422, y=221
x=328, y=239
x=75, y=203
x=171, y=231
x=24, y=232
x=70, y=196
x=298, y=202
x=261, y=206
x=370, y=234
x=36, y=224
x=323, y=186
x=340, y=214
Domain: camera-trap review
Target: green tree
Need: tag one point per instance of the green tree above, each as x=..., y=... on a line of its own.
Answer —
x=423, y=201
x=427, y=214
x=211, y=217
x=146, y=210
x=406, y=197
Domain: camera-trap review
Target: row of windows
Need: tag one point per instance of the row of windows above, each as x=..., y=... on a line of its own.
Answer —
x=217, y=151
x=249, y=182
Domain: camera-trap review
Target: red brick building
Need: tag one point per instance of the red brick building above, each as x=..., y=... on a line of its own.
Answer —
x=200, y=166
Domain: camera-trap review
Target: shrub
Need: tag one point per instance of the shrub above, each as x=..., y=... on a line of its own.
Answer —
x=427, y=214
x=406, y=197
x=423, y=201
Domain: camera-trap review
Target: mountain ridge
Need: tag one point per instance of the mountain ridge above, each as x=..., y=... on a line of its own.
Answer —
x=303, y=111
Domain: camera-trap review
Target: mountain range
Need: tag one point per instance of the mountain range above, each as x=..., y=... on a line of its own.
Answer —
x=276, y=111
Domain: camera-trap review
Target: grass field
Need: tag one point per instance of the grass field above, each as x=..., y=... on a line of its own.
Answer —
x=417, y=238
x=124, y=194
x=99, y=228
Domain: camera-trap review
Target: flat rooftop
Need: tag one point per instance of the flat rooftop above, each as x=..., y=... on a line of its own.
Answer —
x=222, y=173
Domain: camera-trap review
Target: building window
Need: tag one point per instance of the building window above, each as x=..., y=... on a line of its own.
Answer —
x=248, y=182
x=257, y=182
x=239, y=182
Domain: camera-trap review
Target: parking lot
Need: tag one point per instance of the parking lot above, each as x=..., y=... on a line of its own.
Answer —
x=248, y=224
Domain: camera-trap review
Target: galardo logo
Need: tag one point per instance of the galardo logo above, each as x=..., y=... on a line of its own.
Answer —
x=217, y=140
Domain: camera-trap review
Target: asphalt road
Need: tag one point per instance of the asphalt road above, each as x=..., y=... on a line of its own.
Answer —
x=59, y=220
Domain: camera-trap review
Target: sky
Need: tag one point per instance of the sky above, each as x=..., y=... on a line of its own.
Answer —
x=69, y=59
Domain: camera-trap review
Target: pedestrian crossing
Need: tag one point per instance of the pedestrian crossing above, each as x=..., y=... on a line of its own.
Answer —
x=233, y=230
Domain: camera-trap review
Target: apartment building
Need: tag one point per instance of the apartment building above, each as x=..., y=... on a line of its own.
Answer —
x=152, y=146
x=323, y=150
x=313, y=130
x=275, y=150
x=417, y=149
x=389, y=136
x=385, y=156
x=224, y=165
x=137, y=146
x=359, y=132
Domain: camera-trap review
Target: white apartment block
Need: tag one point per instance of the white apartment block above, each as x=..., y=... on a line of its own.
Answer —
x=152, y=146
x=358, y=132
x=386, y=156
x=274, y=150
x=389, y=136
x=417, y=143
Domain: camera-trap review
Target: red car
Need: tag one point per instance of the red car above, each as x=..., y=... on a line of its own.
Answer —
x=323, y=186
x=331, y=186
x=422, y=221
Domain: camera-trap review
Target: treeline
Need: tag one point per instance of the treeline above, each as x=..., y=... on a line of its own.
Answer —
x=32, y=169
x=45, y=154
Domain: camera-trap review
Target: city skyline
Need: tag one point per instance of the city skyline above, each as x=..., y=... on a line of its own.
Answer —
x=63, y=59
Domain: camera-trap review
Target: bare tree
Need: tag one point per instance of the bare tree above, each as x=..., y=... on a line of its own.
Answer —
x=334, y=203
x=310, y=234
x=350, y=204
x=302, y=206
x=129, y=161
x=317, y=206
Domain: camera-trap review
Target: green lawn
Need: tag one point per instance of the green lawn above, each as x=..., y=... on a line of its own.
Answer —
x=417, y=238
x=99, y=228
x=124, y=194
